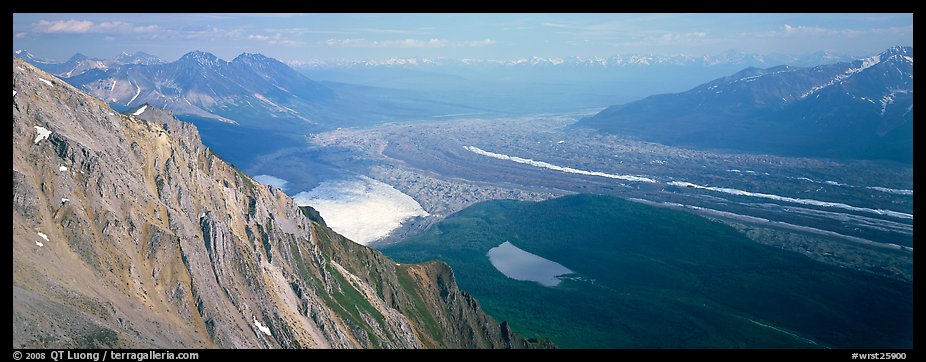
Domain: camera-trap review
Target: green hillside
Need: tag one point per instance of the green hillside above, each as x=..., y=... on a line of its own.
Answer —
x=649, y=277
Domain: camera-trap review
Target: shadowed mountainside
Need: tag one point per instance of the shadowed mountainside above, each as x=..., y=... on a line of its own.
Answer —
x=861, y=109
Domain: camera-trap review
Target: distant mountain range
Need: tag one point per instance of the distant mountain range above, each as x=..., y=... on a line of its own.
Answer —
x=245, y=108
x=249, y=87
x=536, y=84
x=79, y=63
x=616, y=61
x=787, y=109
x=252, y=90
x=255, y=91
x=860, y=109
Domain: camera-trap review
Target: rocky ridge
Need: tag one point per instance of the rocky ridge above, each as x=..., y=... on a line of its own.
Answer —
x=129, y=233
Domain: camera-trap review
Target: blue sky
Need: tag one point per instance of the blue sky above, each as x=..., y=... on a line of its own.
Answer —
x=305, y=37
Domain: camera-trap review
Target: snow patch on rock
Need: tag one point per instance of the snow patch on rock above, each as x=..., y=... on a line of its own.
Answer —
x=41, y=133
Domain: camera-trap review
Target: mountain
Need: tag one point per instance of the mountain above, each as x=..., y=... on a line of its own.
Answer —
x=595, y=271
x=252, y=90
x=79, y=64
x=861, y=109
x=31, y=58
x=246, y=89
x=129, y=233
x=138, y=58
x=253, y=105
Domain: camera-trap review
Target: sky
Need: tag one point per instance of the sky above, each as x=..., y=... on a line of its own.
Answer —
x=307, y=37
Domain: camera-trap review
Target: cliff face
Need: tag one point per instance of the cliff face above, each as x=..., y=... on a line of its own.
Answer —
x=129, y=233
x=426, y=293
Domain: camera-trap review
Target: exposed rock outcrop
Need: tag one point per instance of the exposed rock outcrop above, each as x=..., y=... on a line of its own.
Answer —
x=129, y=233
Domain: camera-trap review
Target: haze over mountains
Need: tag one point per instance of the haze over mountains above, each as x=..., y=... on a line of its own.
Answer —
x=252, y=90
x=247, y=107
x=860, y=109
x=730, y=58
x=549, y=84
x=402, y=88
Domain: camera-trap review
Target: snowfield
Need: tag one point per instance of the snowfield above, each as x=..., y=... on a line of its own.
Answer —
x=41, y=133
x=362, y=209
x=140, y=110
x=261, y=327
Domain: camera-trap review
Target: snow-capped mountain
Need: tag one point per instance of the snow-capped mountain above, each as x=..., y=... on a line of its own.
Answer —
x=251, y=90
x=29, y=57
x=138, y=58
x=858, y=109
x=248, y=88
x=79, y=63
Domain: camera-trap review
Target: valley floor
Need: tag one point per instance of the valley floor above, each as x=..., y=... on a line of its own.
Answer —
x=856, y=214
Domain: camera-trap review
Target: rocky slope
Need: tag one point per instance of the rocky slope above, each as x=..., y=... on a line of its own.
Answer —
x=129, y=233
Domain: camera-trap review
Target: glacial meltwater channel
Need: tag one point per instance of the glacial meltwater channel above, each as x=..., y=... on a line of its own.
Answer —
x=521, y=265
